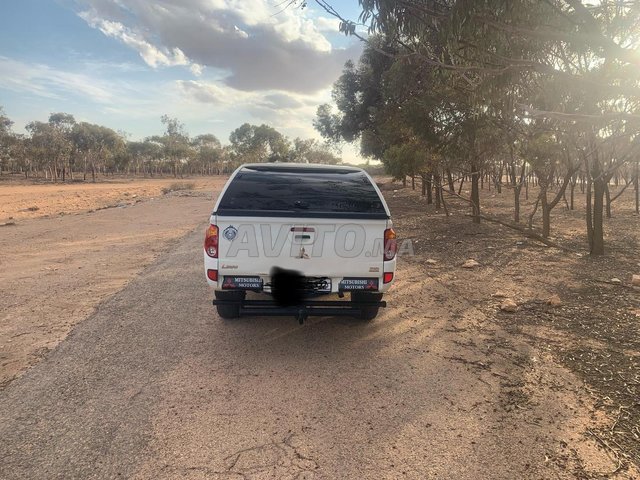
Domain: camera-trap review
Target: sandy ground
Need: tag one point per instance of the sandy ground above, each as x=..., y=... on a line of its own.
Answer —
x=154, y=385
x=21, y=200
x=55, y=271
x=441, y=385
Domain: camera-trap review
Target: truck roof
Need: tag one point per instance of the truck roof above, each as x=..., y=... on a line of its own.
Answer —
x=301, y=190
x=299, y=167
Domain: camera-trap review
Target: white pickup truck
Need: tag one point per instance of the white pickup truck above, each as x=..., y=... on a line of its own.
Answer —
x=296, y=232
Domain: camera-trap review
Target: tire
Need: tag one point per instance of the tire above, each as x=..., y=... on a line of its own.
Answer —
x=359, y=297
x=229, y=312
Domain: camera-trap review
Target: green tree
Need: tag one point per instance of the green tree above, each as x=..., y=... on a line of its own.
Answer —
x=571, y=63
x=175, y=142
x=7, y=139
x=208, y=156
x=96, y=146
x=61, y=145
x=251, y=143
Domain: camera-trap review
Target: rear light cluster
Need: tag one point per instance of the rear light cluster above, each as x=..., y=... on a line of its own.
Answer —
x=211, y=241
x=390, y=244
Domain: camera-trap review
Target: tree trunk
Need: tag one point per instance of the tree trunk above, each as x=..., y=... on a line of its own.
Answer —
x=429, y=188
x=475, y=192
x=589, y=212
x=608, y=197
x=438, y=185
x=516, y=202
x=573, y=188
x=413, y=182
x=452, y=187
x=597, y=245
x=546, y=212
x=637, y=189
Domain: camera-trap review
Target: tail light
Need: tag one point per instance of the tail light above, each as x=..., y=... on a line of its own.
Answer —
x=211, y=241
x=388, y=276
x=212, y=275
x=390, y=244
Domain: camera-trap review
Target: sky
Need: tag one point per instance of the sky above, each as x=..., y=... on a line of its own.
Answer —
x=213, y=64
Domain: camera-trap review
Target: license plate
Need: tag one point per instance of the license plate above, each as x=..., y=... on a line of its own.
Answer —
x=347, y=284
x=324, y=287
x=241, y=283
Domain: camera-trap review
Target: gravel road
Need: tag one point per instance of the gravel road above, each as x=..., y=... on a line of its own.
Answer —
x=155, y=385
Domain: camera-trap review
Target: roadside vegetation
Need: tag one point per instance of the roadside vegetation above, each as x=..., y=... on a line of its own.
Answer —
x=512, y=94
x=63, y=150
x=177, y=186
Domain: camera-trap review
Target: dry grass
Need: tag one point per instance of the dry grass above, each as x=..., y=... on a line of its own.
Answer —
x=177, y=186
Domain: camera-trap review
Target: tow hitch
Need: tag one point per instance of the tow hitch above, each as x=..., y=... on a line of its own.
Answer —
x=302, y=316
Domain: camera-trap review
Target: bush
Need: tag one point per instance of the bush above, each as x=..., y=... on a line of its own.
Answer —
x=178, y=186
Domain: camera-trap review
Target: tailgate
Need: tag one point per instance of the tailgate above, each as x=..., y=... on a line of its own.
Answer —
x=315, y=247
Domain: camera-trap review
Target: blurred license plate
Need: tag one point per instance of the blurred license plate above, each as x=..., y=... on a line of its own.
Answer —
x=324, y=286
x=358, y=284
x=242, y=283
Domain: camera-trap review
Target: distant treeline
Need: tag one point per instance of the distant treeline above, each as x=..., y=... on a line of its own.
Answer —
x=62, y=149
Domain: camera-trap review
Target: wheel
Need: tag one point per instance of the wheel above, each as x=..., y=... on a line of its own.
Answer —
x=366, y=312
x=232, y=310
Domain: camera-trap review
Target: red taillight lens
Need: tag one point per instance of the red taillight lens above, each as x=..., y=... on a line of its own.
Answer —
x=388, y=276
x=212, y=275
x=390, y=244
x=211, y=241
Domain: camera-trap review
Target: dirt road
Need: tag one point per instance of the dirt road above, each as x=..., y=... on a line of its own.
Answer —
x=55, y=271
x=155, y=385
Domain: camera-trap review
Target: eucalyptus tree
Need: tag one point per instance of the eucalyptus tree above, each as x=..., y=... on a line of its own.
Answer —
x=309, y=150
x=208, y=154
x=586, y=52
x=7, y=139
x=96, y=146
x=145, y=155
x=175, y=143
x=39, y=147
x=61, y=146
x=258, y=143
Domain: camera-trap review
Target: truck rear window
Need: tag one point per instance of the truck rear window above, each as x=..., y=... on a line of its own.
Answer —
x=302, y=192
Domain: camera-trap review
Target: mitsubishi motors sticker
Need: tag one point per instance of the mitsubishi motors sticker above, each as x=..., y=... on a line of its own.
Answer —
x=242, y=283
x=358, y=284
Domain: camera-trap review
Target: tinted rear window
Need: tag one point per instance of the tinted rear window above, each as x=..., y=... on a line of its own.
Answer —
x=301, y=193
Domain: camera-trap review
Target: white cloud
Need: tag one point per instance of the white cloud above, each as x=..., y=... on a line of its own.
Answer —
x=152, y=55
x=209, y=93
x=259, y=45
x=44, y=81
x=196, y=69
x=327, y=24
x=288, y=112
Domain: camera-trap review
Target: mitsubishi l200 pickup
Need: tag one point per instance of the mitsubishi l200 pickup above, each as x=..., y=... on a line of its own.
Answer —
x=295, y=233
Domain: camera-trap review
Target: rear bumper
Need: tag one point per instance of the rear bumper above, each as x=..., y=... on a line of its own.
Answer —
x=335, y=284
x=216, y=264
x=305, y=309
